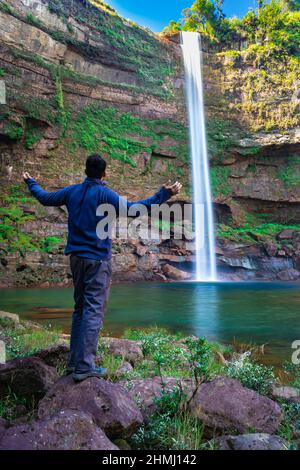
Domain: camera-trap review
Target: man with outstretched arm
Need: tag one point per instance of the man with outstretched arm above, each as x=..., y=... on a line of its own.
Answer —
x=90, y=256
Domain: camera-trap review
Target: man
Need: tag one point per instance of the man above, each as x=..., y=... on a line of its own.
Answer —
x=90, y=256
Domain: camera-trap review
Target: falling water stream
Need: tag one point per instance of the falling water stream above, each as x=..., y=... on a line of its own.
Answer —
x=202, y=198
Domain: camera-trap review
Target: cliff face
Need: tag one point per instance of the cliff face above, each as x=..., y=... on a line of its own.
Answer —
x=254, y=100
x=80, y=79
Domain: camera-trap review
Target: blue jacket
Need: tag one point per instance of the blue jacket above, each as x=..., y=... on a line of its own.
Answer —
x=82, y=201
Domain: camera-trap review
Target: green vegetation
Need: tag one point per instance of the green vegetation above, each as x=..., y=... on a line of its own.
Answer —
x=255, y=376
x=170, y=426
x=220, y=181
x=290, y=173
x=264, y=47
x=16, y=211
x=33, y=20
x=172, y=355
x=13, y=407
x=290, y=427
x=6, y=8
x=221, y=136
x=24, y=340
x=27, y=344
x=12, y=217
x=136, y=49
x=12, y=130
x=50, y=244
x=251, y=233
x=2, y=72
x=98, y=128
x=293, y=373
x=65, y=73
x=33, y=134
x=275, y=23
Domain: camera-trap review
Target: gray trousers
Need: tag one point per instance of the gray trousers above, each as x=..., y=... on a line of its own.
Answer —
x=91, y=280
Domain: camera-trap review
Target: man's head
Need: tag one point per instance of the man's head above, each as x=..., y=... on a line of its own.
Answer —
x=95, y=166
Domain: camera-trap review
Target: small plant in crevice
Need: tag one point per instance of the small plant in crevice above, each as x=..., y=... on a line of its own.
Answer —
x=201, y=359
x=292, y=372
x=290, y=425
x=13, y=407
x=170, y=427
x=33, y=20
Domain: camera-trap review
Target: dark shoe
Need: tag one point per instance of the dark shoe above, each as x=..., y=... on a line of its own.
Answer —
x=99, y=372
x=69, y=370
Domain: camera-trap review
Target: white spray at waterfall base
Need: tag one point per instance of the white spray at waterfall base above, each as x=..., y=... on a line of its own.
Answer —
x=202, y=197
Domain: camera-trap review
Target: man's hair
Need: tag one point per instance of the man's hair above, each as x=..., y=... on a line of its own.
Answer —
x=95, y=166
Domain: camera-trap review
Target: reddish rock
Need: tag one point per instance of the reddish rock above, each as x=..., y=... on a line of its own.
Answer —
x=271, y=249
x=10, y=317
x=289, y=275
x=141, y=250
x=289, y=394
x=144, y=391
x=129, y=350
x=175, y=273
x=67, y=430
x=124, y=369
x=225, y=405
x=287, y=234
x=281, y=253
x=112, y=409
x=251, y=442
x=3, y=427
x=28, y=377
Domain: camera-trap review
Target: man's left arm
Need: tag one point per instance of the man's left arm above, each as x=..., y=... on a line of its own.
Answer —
x=164, y=194
x=56, y=198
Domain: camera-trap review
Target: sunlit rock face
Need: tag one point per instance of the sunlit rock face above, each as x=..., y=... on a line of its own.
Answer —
x=80, y=80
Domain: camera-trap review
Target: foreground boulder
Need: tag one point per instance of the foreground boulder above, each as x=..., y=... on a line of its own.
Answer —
x=67, y=430
x=289, y=275
x=225, y=405
x=55, y=356
x=28, y=377
x=130, y=351
x=3, y=426
x=251, y=442
x=144, y=391
x=10, y=317
x=289, y=394
x=112, y=409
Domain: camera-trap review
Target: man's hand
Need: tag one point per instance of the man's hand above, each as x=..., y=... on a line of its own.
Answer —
x=26, y=176
x=173, y=188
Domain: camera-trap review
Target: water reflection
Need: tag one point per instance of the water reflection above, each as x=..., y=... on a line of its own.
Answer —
x=250, y=313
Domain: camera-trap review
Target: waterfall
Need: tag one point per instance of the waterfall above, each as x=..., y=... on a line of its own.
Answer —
x=202, y=198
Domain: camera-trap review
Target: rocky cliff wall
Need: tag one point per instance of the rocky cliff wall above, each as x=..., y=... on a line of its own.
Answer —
x=80, y=79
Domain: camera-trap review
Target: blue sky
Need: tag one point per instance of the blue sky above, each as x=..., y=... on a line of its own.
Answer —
x=156, y=14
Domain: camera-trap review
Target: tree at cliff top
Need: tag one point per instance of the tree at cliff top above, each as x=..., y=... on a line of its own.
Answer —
x=276, y=23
